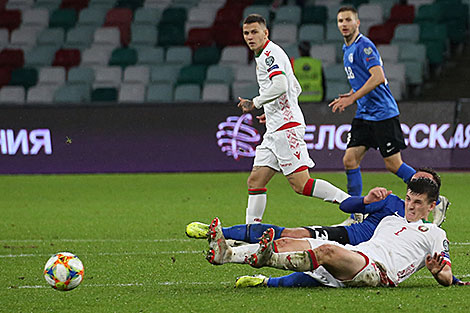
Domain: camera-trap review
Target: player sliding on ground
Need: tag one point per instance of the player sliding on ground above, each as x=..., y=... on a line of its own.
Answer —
x=283, y=147
x=400, y=246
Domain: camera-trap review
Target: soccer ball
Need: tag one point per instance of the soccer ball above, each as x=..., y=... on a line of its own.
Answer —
x=64, y=271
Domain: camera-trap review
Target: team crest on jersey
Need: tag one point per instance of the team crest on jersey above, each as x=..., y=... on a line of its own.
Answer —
x=368, y=50
x=269, y=61
x=423, y=228
x=445, y=244
x=350, y=57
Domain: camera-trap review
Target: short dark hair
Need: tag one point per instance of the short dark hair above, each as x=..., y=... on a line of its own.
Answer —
x=255, y=18
x=348, y=8
x=425, y=186
x=435, y=176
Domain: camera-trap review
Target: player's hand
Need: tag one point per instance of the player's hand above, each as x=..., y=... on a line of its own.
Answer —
x=261, y=118
x=376, y=194
x=435, y=264
x=246, y=105
x=341, y=103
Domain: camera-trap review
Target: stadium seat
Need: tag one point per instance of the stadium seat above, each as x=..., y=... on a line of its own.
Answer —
x=123, y=57
x=389, y=53
x=216, y=92
x=77, y=5
x=234, y=56
x=171, y=35
x=147, y=16
x=206, y=55
x=160, y=92
x=406, y=33
x=91, y=16
x=5, y=76
x=104, y=95
x=284, y=34
x=372, y=13
x=51, y=75
x=4, y=38
x=11, y=58
x=143, y=36
x=396, y=72
x=313, y=33
x=35, y=17
x=95, y=57
x=179, y=55
x=262, y=10
x=227, y=35
x=188, y=92
x=246, y=73
x=229, y=14
x=81, y=76
x=41, y=94
x=25, y=77
x=12, y=94
x=199, y=37
x=107, y=36
x=64, y=18
x=288, y=14
x=429, y=13
x=107, y=77
x=122, y=19
x=314, y=15
x=244, y=89
x=167, y=73
x=23, y=39
x=326, y=53
x=150, y=55
x=397, y=89
x=130, y=4
x=220, y=74
x=402, y=14
x=137, y=74
x=79, y=37
x=21, y=5
x=192, y=74
x=381, y=34
x=335, y=73
x=174, y=16
x=332, y=34
x=412, y=52
x=67, y=58
x=335, y=88
x=292, y=50
x=10, y=19
x=131, y=93
x=72, y=94
x=200, y=18
x=50, y=5
x=51, y=37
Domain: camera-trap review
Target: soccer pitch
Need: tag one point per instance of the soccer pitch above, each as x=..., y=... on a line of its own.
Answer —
x=129, y=232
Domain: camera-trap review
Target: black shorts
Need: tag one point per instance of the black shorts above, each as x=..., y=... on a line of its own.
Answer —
x=333, y=233
x=385, y=135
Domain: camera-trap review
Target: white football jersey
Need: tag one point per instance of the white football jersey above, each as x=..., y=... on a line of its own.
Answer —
x=270, y=62
x=402, y=246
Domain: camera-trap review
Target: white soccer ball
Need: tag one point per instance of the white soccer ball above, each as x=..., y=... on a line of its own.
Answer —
x=64, y=271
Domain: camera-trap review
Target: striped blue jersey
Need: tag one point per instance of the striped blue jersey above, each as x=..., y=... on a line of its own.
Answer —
x=358, y=58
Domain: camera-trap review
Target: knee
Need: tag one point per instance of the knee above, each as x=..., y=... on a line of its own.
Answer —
x=392, y=167
x=282, y=243
x=349, y=162
x=326, y=252
x=298, y=188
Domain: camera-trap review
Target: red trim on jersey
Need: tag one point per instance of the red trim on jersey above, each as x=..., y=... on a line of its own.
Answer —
x=390, y=282
x=261, y=51
x=275, y=73
x=308, y=188
x=288, y=125
x=365, y=257
x=300, y=169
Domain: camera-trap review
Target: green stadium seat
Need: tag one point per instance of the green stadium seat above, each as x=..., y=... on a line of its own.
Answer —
x=51, y=37
x=288, y=14
x=131, y=4
x=188, y=92
x=104, y=95
x=192, y=74
x=81, y=75
x=150, y=55
x=64, y=18
x=91, y=17
x=315, y=15
x=160, y=92
x=167, y=73
x=79, y=37
x=25, y=77
x=429, y=13
x=171, y=35
x=143, y=36
x=147, y=16
x=206, y=56
x=123, y=57
x=174, y=16
x=220, y=74
x=76, y=93
x=40, y=56
x=179, y=55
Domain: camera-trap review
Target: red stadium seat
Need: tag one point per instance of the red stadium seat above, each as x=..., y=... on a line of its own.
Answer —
x=5, y=76
x=227, y=34
x=199, y=37
x=402, y=14
x=10, y=19
x=67, y=58
x=229, y=15
x=74, y=4
x=121, y=18
x=381, y=34
x=3, y=3
x=11, y=58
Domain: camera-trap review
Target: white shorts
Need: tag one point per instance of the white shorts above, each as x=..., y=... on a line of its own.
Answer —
x=284, y=150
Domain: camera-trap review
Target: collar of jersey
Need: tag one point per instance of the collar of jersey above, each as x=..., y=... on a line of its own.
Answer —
x=267, y=41
x=425, y=222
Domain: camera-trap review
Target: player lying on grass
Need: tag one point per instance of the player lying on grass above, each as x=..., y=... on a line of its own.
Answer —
x=354, y=234
x=221, y=253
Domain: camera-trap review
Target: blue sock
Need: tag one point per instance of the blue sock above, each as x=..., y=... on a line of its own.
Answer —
x=250, y=232
x=405, y=172
x=354, y=181
x=297, y=279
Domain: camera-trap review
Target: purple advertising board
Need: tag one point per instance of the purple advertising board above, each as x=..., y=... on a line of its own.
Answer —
x=196, y=137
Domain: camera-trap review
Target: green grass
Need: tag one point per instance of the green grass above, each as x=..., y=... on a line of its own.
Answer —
x=129, y=232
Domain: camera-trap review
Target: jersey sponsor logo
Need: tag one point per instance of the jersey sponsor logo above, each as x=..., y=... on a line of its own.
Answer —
x=351, y=58
x=369, y=58
x=445, y=244
x=398, y=232
x=368, y=50
x=267, y=53
x=423, y=228
x=285, y=164
x=275, y=66
x=269, y=61
x=297, y=155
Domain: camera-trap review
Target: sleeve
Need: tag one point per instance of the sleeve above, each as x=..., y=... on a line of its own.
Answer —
x=277, y=88
x=369, y=55
x=440, y=245
x=276, y=62
x=353, y=204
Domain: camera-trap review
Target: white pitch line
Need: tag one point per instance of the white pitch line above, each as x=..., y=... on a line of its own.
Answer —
x=96, y=240
x=105, y=253
x=164, y=283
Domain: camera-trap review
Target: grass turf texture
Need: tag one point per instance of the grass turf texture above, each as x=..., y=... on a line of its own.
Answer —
x=129, y=232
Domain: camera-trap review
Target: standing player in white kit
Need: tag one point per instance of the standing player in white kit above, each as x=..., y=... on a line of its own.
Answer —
x=283, y=147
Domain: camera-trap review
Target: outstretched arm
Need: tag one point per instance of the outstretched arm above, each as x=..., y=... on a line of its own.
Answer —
x=357, y=204
x=439, y=269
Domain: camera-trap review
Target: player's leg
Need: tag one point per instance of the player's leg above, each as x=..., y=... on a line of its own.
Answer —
x=296, y=279
x=352, y=160
x=395, y=165
x=257, y=181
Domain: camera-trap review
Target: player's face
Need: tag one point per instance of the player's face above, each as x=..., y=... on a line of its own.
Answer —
x=417, y=206
x=348, y=24
x=255, y=36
